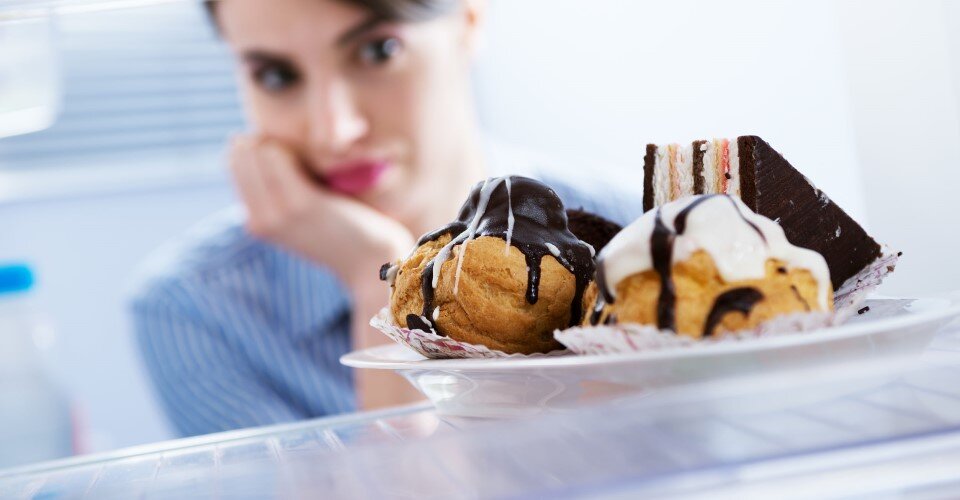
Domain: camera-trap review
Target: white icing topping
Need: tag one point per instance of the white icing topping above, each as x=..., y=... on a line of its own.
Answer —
x=733, y=184
x=553, y=249
x=593, y=251
x=392, y=274
x=466, y=236
x=506, y=249
x=714, y=226
x=460, y=254
x=427, y=322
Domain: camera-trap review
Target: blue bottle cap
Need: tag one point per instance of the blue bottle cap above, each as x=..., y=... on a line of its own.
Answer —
x=15, y=278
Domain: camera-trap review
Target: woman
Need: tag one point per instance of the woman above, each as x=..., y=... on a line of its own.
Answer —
x=363, y=137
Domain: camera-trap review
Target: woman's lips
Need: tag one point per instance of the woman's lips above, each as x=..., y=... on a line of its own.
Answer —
x=356, y=177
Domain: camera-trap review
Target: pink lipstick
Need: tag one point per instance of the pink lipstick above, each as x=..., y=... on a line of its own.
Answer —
x=356, y=177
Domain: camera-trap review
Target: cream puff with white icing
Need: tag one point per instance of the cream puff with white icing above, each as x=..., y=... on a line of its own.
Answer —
x=702, y=266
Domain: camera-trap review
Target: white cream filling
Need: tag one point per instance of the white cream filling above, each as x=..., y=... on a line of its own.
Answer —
x=733, y=183
x=709, y=167
x=661, y=176
x=714, y=226
x=685, y=169
x=682, y=161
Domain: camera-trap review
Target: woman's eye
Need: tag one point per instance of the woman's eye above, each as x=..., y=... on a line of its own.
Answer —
x=379, y=52
x=275, y=78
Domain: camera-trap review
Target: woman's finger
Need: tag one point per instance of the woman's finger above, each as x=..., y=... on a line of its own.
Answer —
x=250, y=183
x=283, y=161
x=284, y=177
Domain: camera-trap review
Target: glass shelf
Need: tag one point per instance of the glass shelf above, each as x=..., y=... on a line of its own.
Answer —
x=900, y=430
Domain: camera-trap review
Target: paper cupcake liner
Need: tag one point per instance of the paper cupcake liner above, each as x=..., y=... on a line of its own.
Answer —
x=435, y=346
x=851, y=294
x=626, y=338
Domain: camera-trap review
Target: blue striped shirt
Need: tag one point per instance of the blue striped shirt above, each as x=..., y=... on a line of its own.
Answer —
x=236, y=332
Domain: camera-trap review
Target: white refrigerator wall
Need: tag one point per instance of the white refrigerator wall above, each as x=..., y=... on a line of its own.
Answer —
x=903, y=64
x=84, y=251
x=860, y=95
x=593, y=85
x=835, y=87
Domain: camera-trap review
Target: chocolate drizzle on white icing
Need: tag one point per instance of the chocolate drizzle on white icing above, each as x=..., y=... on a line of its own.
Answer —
x=740, y=244
x=739, y=300
x=661, y=248
x=510, y=219
x=527, y=215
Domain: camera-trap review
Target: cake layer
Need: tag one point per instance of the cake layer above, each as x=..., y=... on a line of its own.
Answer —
x=752, y=170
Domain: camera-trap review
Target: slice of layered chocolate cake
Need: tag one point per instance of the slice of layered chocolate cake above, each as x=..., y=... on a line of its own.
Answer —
x=750, y=168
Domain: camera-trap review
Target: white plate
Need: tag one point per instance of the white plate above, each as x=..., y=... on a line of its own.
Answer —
x=893, y=328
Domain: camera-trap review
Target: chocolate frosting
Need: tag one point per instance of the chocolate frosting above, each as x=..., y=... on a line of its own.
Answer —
x=771, y=187
x=591, y=228
x=526, y=214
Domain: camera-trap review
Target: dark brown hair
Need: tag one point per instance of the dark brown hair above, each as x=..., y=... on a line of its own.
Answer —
x=388, y=10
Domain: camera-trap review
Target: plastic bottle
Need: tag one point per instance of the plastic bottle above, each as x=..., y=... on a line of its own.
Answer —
x=35, y=421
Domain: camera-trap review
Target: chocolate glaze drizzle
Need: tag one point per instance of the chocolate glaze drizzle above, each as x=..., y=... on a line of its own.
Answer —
x=526, y=214
x=747, y=221
x=385, y=271
x=661, y=250
x=661, y=246
x=739, y=300
x=415, y=322
x=680, y=222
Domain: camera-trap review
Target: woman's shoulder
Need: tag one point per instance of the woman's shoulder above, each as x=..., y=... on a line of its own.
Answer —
x=217, y=259
x=216, y=245
x=216, y=273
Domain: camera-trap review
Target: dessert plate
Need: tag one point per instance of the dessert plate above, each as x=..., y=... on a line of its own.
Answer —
x=892, y=329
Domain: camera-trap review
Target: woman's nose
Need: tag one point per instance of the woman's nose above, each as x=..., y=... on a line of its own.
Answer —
x=335, y=120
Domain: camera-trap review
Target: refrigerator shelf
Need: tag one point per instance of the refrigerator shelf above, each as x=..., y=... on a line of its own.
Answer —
x=898, y=427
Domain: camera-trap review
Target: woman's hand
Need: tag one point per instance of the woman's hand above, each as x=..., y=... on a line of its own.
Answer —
x=288, y=208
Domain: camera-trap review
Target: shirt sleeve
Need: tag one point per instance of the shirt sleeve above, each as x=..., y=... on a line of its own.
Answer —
x=614, y=202
x=204, y=383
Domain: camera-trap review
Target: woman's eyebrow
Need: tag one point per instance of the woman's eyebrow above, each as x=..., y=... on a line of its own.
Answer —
x=263, y=57
x=359, y=30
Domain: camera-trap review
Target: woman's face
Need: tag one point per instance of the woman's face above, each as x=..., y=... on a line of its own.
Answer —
x=374, y=109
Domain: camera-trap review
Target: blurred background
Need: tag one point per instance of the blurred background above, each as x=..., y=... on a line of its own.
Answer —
x=115, y=119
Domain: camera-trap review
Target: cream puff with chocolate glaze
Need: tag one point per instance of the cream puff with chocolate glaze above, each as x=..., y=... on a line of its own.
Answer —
x=505, y=274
